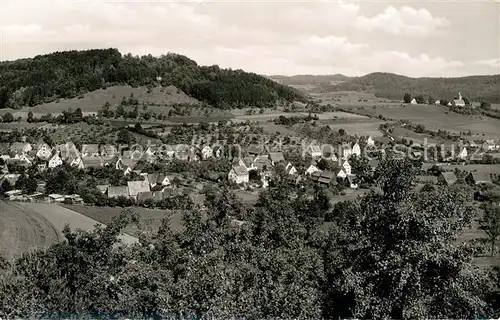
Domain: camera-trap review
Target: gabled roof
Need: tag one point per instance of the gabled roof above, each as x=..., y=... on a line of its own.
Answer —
x=314, y=148
x=240, y=171
x=103, y=187
x=90, y=148
x=109, y=150
x=18, y=147
x=114, y=192
x=158, y=195
x=481, y=177
x=128, y=163
x=142, y=196
x=153, y=177
x=136, y=187
x=260, y=162
x=352, y=178
x=255, y=149
x=68, y=151
x=276, y=156
x=248, y=161
x=449, y=177
x=92, y=162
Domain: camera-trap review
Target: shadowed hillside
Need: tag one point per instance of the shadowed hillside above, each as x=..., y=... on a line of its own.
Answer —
x=393, y=86
x=45, y=78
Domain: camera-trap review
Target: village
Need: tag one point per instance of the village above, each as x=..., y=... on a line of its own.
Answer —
x=251, y=168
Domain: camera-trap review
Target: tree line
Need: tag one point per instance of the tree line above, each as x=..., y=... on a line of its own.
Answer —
x=388, y=254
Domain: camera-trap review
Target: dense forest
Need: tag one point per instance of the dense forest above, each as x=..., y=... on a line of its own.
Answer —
x=45, y=78
x=393, y=86
x=389, y=254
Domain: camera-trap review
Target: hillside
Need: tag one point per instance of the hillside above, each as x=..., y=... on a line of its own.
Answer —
x=393, y=86
x=298, y=80
x=46, y=78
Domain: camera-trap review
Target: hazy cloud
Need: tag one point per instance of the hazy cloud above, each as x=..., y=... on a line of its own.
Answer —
x=265, y=37
x=404, y=21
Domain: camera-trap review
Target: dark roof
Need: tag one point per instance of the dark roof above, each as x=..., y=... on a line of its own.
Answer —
x=114, y=192
x=352, y=178
x=90, y=148
x=136, y=187
x=4, y=148
x=481, y=177
x=92, y=162
x=449, y=177
x=142, y=196
x=260, y=162
x=276, y=156
x=255, y=149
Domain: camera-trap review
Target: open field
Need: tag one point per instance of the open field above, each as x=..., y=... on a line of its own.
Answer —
x=150, y=217
x=93, y=101
x=22, y=230
x=321, y=116
x=359, y=128
x=485, y=168
x=436, y=117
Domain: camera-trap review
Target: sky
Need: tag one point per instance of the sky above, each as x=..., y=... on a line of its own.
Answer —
x=438, y=38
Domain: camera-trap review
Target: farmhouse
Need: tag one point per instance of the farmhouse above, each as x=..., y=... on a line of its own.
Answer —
x=143, y=196
x=238, y=175
x=479, y=178
x=120, y=191
x=103, y=188
x=262, y=163
x=276, y=157
x=217, y=151
x=166, y=151
x=67, y=150
x=323, y=177
x=340, y=173
x=255, y=149
x=127, y=165
x=55, y=161
x=294, y=179
x=92, y=162
x=413, y=101
x=490, y=145
x=314, y=151
x=447, y=178
x=19, y=148
x=109, y=152
x=311, y=169
x=135, y=187
x=44, y=152
x=55, y=197
x=157, y=179
x=90, y=150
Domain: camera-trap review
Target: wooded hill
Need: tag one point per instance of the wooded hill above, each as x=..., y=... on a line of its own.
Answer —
x=45, y=78
x=393, y=86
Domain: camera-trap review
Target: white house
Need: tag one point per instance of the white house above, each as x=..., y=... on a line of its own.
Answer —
x=341, y=174
x=356, y=150
x=490, y=145
x=55, y=161
x=463, y=153
x=413, y=101
x=75, y=161
x=21, y=148
x=238, y=175
x=370, y=142
x=312, y=168
x=44, y=152
x=290, y=169
x=347, y=167
x=314, y=151
x=207, y=152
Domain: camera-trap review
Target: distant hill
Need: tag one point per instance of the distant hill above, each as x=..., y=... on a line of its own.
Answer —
x=393, y=86
x=306, y=79
x=46, y=78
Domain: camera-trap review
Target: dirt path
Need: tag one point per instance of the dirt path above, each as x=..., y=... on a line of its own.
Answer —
x=24, y=230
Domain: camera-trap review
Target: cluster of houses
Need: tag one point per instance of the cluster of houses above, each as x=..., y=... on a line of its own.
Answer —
x=96, y=156
x=261, y=160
